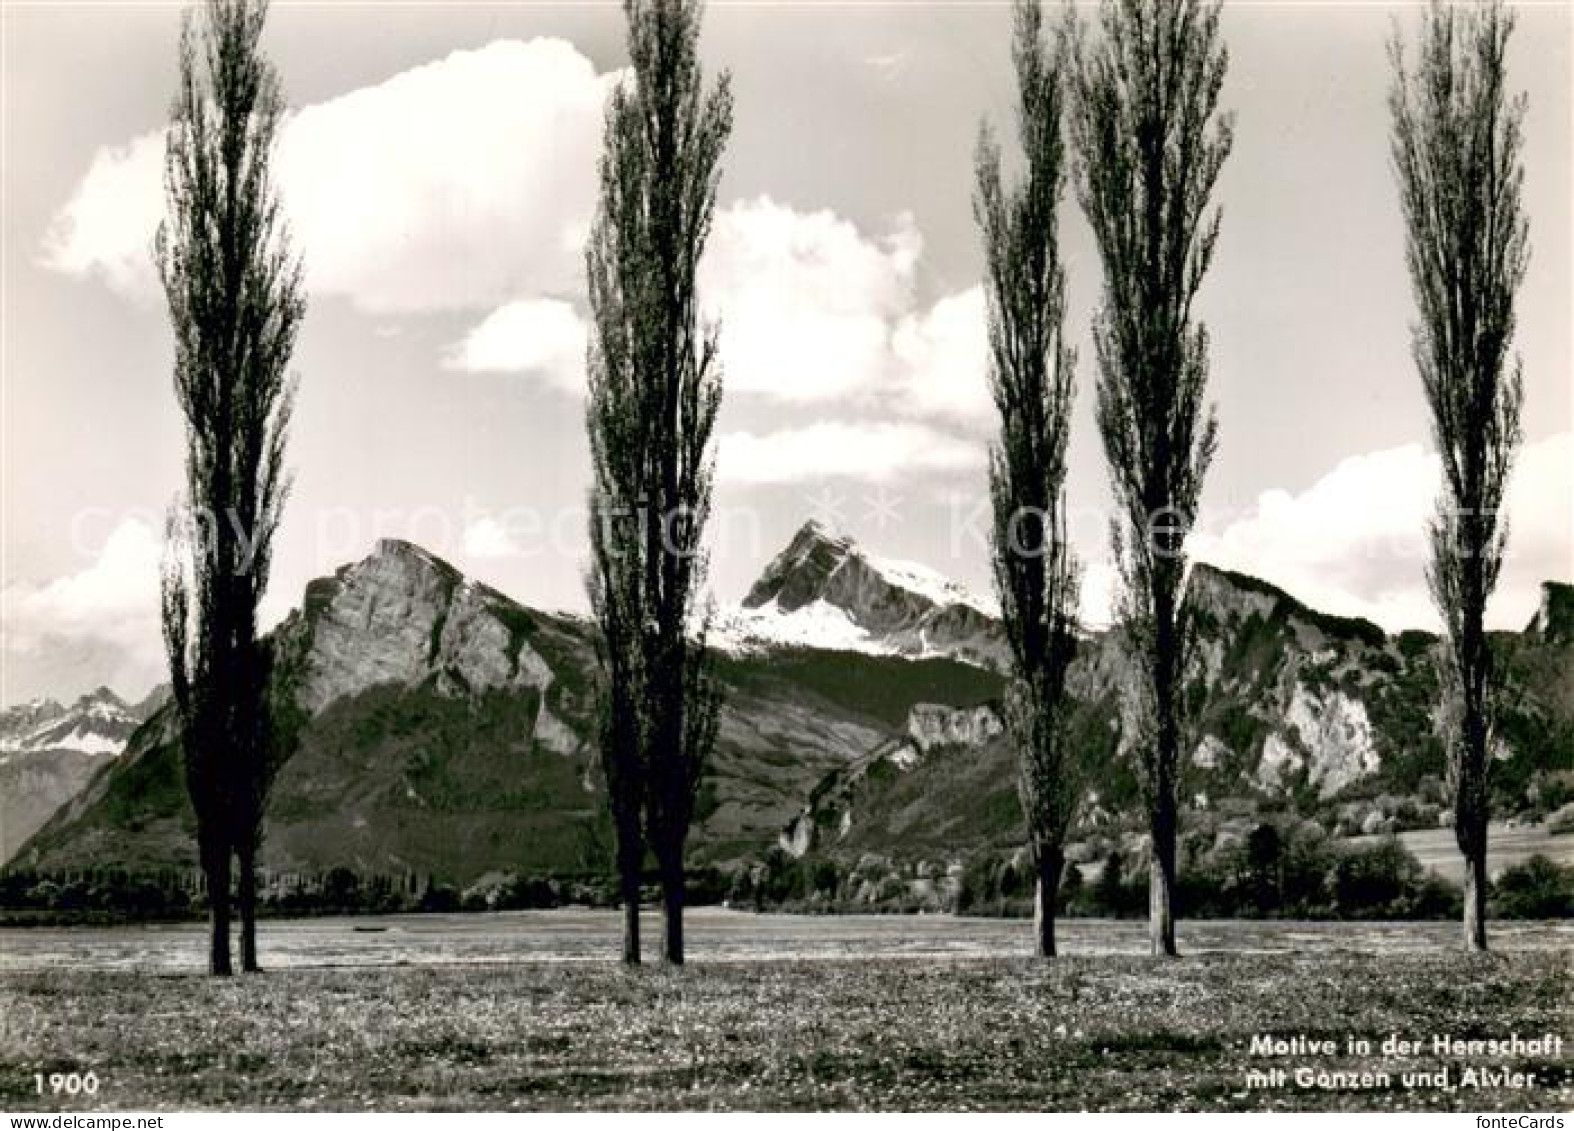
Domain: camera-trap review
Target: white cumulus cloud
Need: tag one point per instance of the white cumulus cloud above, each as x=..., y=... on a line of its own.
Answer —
x=942, y=358
x=806, y=301
x=99, y=624
x=540, y=336
x=455, y=184
x=1355, y=543
x=813, y=311
x=106, y=228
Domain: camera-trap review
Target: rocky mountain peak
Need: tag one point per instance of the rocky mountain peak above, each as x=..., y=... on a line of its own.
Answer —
x=1227, y=593
x=1231, y=597
x=101, y=701
x=798, y=575
x=878, y=593
x=24, y=716
x=411, y=555
x=824, y=590
x=402, y=615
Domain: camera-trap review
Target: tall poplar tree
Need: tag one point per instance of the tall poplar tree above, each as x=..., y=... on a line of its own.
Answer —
x=1457, y=139
x=1150, y=142
x=233, y=287
x=655, y=388
x=1031, y=375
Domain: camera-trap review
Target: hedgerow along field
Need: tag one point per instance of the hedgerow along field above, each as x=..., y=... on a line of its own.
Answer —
x=527, y=1011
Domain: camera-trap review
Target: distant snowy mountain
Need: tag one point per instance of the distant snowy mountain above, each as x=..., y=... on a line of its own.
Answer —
x=824, y=591
x=25, y=718
x=97, y=723
x=49, y=750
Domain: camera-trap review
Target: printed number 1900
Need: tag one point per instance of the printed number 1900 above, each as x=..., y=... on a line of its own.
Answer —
x=67, y=1083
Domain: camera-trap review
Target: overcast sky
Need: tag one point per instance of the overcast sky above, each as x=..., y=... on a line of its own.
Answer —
x=438, y=169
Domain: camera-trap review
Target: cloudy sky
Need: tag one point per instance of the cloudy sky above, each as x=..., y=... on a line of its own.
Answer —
x=438, y=169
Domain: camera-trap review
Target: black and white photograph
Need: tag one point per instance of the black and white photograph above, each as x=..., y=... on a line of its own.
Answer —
x=762, y=556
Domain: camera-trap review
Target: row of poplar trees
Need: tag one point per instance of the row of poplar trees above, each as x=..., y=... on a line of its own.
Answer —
x=1139, y=103
x=234, y=291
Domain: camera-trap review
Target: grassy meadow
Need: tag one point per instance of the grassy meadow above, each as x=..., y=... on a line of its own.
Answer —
x=867, y=1018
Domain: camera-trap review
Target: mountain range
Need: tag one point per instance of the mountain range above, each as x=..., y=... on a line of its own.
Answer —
x=437, y=727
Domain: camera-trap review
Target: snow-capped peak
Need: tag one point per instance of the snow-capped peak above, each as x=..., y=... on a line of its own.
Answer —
x=825, y=591
x=739, y=628
x=817, y=557
x=98, y=723
x=934, y=586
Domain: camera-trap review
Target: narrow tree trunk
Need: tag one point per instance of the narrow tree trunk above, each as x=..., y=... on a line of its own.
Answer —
x=247, y=898
x=631, y=927
x=1476, y=899
x=672, y=892
x=217, y=869
x=1045, y=898
x=631, y=857
x=1163, y=815
x=1161, y=891
x=1470, y=801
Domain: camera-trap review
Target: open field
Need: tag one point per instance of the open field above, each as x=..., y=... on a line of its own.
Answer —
x=1507, y=845
x=523, y=1011
x=714, y=935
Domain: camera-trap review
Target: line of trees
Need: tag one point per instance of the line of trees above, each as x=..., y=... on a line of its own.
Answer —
x=1129, y=113
x=1141, y=98
x=1149, y=143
